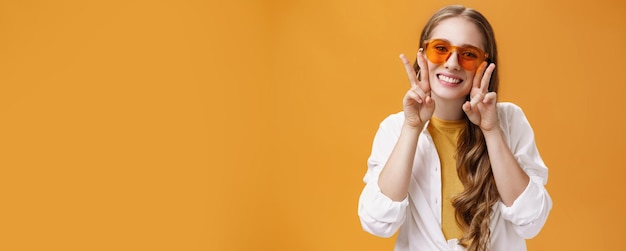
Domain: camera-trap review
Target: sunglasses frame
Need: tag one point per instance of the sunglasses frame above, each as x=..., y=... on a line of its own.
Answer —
x=462, y=61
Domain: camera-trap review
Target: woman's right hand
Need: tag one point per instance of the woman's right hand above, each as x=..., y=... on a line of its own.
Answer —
x=418, y=105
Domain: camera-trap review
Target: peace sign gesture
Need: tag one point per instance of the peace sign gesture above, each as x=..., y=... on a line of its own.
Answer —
x=418, y=105
x=481, y=109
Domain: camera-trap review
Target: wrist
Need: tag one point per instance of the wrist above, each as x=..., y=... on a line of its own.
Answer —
x=412, y=128
x=494, y=132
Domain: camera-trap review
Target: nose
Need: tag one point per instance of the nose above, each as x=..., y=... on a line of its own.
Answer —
x=452, y=62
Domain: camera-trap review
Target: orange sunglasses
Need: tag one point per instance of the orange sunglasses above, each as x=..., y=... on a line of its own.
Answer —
x=438, y=51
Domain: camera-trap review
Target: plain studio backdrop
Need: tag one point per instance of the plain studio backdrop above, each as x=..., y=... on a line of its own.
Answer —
x=246, y=125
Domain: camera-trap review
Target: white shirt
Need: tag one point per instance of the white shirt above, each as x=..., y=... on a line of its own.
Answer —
x=419, y=214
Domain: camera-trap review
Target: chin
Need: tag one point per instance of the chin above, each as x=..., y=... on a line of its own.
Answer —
x=455, y=95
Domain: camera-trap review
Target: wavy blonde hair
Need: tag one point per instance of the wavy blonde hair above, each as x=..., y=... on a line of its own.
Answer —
x=473, y=206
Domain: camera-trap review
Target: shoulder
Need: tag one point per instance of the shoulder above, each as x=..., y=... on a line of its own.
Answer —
x=393, y=120
x=508, y=111
x=508, y=107
x=513, y=120
x=391, y=126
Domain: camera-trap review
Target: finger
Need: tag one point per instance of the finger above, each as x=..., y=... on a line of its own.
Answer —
x=409, y=70
x=428, y=101
x=416, y=94
x=486, y=79
x=490, y=98
x=476, y=99
x=467, y=108
x=423, y=64
x=420, y=94
x=479, y=74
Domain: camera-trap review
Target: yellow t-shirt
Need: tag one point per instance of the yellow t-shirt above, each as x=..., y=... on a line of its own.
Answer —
x=445, y=134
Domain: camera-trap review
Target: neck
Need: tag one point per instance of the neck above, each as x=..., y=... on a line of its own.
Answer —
x=448, y=109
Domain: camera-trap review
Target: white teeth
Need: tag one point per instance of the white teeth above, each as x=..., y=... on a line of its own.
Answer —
x=449, y=79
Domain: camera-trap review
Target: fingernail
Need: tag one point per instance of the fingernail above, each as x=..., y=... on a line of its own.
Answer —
x=421, y=49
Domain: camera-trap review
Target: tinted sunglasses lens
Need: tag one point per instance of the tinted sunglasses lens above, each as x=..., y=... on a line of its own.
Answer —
x=437, y=51
x=470, y=58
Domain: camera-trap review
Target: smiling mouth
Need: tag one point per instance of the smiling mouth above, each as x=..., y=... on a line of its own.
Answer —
x=449, y=79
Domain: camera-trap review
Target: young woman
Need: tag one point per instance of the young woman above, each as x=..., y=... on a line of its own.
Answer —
x=455, y=170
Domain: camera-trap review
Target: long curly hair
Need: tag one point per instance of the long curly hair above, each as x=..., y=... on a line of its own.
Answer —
x=473, y=206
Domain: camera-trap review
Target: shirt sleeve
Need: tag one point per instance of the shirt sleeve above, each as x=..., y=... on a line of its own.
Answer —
x=530, y=210
x=379, y=214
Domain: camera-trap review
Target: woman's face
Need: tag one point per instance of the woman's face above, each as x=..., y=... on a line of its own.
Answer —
x=449, y=80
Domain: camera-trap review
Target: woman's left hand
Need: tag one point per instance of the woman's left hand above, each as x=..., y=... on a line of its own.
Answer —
x=481, y=109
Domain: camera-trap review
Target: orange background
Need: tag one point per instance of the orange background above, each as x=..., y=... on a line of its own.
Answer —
x=246, y=125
